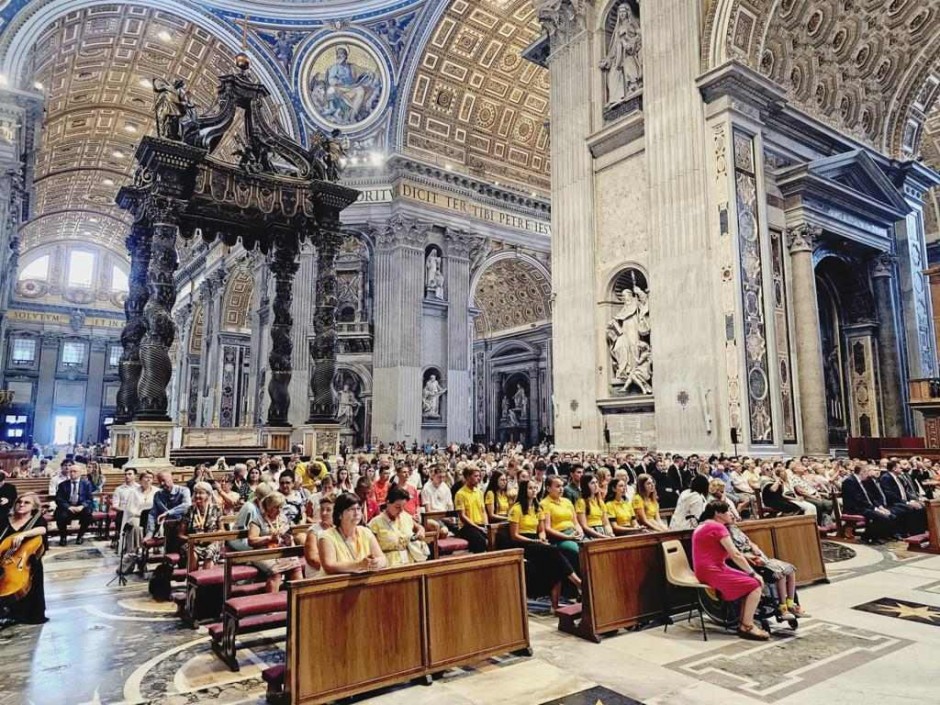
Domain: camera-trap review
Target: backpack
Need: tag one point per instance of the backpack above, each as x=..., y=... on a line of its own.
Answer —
x=159, y=585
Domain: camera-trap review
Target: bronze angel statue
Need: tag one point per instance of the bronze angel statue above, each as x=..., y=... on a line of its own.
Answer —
x=172, y=107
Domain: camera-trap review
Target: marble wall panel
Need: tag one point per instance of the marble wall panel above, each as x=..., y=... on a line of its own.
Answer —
x=621, y=230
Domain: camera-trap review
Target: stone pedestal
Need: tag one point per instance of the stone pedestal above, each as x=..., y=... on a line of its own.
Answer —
x=320, y=438
x=121, y=437
x=277, y=438
x=150, y=445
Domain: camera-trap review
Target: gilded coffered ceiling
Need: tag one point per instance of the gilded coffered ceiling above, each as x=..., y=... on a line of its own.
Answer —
x=475, y=104
x=511, y=293
x=871, y=68
x=95, y=68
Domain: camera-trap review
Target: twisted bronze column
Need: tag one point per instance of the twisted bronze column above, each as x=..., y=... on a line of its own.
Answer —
x=323, y=348
x=284, y=266
x=156, y=368
x=129, y=369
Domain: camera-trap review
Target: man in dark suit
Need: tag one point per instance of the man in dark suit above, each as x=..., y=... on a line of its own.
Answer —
x=910, y=513
x=74, y=499
x=857, y=499
x=680, y=473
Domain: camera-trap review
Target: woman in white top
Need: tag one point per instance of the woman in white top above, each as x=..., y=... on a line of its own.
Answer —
x=690, y=505
x=135, y=504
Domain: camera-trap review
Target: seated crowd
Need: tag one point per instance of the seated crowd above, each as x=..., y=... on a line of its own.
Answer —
x=363, y=512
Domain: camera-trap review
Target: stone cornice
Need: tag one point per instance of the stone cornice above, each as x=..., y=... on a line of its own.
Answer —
x=469, y=187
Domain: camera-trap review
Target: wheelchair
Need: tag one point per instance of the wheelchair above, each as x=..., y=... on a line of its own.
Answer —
x=725, y=614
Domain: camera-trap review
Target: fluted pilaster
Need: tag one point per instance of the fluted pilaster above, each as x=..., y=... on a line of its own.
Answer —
x=883, y=273
x=802, y=241
x=459, y=388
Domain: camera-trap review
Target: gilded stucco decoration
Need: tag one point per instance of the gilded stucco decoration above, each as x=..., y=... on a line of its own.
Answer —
x=476, y=104
x=510, y=294
x=870, y=68
x=238, y=301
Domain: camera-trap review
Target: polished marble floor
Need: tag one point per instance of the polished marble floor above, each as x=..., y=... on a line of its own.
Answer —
x=112, y=644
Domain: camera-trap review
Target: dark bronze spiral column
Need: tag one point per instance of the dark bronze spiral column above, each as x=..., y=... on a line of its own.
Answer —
x=323, y=348
x=138, y=246
x=284, y=267
x=156, y=368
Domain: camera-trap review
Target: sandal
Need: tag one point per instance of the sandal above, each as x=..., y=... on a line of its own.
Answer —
x=752, y=632
x=798, y=611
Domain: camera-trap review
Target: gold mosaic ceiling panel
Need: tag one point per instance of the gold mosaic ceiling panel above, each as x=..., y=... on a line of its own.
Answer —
x=476, y=103
x=95, y=67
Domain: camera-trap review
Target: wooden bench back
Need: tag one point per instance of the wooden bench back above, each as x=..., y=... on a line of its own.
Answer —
x=933, y=524
x=625, y=578
x=363, y=645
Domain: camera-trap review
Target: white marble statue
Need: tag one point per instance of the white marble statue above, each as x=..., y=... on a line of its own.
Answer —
x=625, y=333
x=347, y=406
x=521, y=402
x=623, y=65
x=431, y=398
x=434, y=279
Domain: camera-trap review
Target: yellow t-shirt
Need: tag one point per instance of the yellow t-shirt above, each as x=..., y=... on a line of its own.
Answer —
x=318, y=469
x=621, y=512
x=559, y=513
x=650, y=506
x=528, y=523
x=500, y=504
x=595, y=514
x=471, y=503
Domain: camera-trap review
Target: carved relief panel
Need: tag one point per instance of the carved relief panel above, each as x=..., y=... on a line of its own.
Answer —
x=628, y=335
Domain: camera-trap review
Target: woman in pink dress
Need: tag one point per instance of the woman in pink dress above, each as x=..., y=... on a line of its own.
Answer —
x=711, y=548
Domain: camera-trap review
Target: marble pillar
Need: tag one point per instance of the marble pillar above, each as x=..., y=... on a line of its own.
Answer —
x=323, y=352
x=211, y=292
x=686, y=377
x=399, y=292
x=138, y=246
x=45, y=389
x=302, y=310
x=283, y=267
x=94, y=392
x=889, y=361
x=259, y=320
x=155, y=345
x=575, y=344
x=178, y=384
x=801, y=241
x=459, y=388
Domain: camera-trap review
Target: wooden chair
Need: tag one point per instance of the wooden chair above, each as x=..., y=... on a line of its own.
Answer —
x=679, y=575
x=442, y=546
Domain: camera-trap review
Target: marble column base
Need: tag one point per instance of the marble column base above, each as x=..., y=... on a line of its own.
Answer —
x=277, y=438
x=150, y=445
x=122, y=436
x=320, y=438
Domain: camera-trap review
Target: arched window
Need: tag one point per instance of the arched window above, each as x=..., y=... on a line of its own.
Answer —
x=37, y=269
x=118, y=279
x=81, y=268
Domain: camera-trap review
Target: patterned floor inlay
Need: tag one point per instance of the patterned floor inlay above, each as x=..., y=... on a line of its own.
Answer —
x=902, y=609
x=931, y=587
x=773, y=670
x=599, y=695
x=836, y=552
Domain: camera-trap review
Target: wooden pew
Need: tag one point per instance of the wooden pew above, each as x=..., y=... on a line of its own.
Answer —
x=362, y=644
x=624, y=579
x=930, y=541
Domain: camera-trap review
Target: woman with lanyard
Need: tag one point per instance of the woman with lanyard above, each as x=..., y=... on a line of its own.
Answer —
x=203, y=517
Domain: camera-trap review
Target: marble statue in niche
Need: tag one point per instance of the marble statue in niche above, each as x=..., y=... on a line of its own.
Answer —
x=628, y=340
x=431, y=398
x=347, y=407
x=521, y=403
x=623, y=64
x=434, y=277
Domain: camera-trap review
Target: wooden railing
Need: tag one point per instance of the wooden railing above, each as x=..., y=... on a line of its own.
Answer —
x=625, y=579
x=371, y=631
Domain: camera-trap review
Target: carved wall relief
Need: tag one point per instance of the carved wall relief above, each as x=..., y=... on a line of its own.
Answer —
x=628, y=335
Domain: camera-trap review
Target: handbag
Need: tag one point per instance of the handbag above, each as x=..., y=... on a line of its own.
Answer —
x=418, y=550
